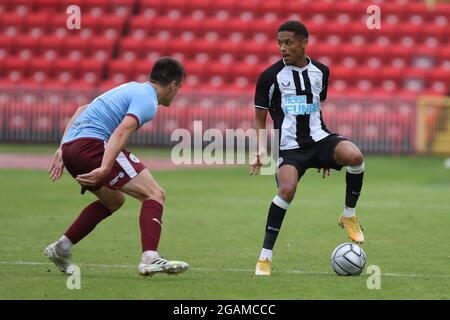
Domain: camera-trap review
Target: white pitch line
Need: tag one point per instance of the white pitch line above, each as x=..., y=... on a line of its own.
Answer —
x=121, y=266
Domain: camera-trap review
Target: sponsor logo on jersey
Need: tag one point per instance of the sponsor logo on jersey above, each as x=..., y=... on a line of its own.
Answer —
x=119, y=176
x=318, y=83
x=297, y=105
x=286, y=84
x=134, y=158
x=81, y=124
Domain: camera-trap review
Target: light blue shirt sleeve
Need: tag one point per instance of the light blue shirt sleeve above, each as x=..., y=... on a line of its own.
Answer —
x=142, y=108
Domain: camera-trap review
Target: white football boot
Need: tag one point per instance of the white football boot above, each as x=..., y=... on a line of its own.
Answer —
x=63, y=263
x=161, y=265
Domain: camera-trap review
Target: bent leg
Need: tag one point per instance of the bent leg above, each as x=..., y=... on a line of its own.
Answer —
x=346, y=153
x=144, y=188
x=109, y=202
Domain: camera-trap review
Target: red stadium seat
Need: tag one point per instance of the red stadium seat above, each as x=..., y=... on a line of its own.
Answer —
x=121, y=67
x=439, y=32
x=93, y=67
x=155, y=45
x=102, y=45
x=58, y=21
x=21, y=3
x=191, y=25
x=104, y=5
x=41, y=65
x=141, y=23
x=247, y=70
x=6, y=43
x=26, y=42
x=131, y=45
x=225, y=5
x=235, y=25
x=165, y=24
x=142, y=70
x=246, y=6
x=69, y=68
x=75, y=43
x=213, y=25
x=50, y=43
x=199, y=4
x=111, y=22
x=193, y=68
x=231, y=47
x=180, y=46
x=153, y=4
x=205, y=46
x=90, y=23
x=440, y=75
x=17, y=64
x=11, y=20
x=36, y=20
x=47, y=5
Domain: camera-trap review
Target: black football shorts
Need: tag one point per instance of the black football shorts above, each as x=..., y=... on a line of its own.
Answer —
x=319, y=154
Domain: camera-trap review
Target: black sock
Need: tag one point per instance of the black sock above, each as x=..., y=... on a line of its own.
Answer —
x=274, y=220
x=353, y=189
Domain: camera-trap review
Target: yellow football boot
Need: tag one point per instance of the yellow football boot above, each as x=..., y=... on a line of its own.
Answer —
x=354, y=229
x=263, y=267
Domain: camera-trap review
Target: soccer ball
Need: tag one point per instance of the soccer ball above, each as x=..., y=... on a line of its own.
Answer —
x=348, y=259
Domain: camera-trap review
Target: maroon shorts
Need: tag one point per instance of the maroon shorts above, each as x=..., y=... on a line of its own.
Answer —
x=85, y=154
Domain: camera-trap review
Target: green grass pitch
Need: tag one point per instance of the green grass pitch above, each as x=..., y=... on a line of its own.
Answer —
x=214, y=219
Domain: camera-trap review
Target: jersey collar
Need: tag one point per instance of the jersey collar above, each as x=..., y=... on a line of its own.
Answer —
x=298, y=68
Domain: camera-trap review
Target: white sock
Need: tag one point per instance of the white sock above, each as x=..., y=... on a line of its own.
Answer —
x=149, y=256
x=265, y=253
x=63, y=246
x=349, y=212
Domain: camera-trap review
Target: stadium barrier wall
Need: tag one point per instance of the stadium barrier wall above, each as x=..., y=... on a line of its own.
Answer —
x=377, y=125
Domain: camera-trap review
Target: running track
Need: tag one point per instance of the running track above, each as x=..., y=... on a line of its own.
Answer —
x=43, y=162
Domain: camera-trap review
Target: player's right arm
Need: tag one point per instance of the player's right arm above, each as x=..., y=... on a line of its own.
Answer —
x=260, y=124
x=56, y=170
x=264, y=86
x=115, y=144
x=140, y=110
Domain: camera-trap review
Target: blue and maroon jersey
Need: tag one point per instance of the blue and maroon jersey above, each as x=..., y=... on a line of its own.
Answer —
x=106, y=112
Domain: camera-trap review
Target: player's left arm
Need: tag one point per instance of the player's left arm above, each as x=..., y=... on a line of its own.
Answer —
x=115, y=144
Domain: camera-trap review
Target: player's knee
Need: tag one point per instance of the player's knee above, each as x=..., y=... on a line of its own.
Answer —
x=356, y=158
x=157, y=194
x=116, y=203
x=287, y=192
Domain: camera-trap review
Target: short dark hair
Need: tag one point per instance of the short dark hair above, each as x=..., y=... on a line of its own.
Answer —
x=166, y=70
x=296, y=27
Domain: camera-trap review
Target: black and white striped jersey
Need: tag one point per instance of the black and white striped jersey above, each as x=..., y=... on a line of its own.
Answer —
x=293, y=95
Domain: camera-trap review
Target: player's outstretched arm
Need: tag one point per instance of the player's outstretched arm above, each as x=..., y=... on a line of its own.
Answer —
x=114, y=146
x=260, y=124
x=57, y=168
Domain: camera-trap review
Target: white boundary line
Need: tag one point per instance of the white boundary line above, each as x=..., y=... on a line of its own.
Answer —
x=119, y=266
